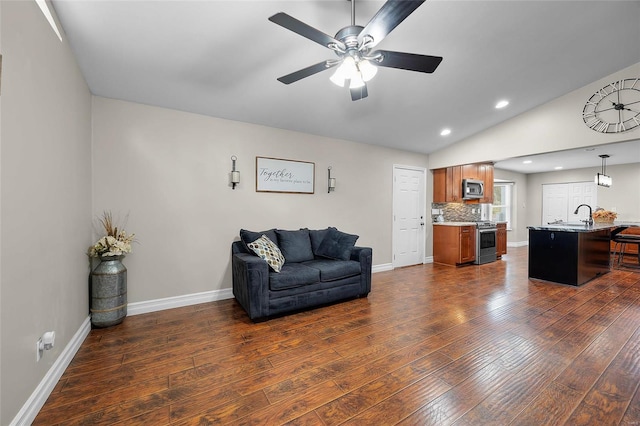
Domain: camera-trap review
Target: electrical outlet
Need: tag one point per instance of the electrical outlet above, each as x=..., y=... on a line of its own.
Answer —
x=39, y=349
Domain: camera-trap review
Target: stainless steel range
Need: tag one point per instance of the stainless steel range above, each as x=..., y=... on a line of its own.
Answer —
x=485, y=242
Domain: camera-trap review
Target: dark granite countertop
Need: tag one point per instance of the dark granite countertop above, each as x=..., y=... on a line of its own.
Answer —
x=581, y=227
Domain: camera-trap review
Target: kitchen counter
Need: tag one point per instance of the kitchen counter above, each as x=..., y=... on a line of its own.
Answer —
x=455, y=223
x=615, y=227
x=574, y=227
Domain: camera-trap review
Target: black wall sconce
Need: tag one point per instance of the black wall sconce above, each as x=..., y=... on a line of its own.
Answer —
x=235, y=175
x=331, y=182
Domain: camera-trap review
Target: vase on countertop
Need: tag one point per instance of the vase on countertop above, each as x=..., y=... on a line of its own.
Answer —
x=108, y=292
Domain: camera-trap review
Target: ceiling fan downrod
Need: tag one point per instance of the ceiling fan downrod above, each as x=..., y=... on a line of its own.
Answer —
x=353, y=13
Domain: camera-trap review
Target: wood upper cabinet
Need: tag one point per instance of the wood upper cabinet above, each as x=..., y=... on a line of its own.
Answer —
x=472, y=171
x=487, y=172
x=447, y=183
x=454, y=245
x=501, y=239
x=440, y=186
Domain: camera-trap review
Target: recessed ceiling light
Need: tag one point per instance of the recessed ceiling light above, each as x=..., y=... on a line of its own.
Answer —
x=445, y=132
x=558, y=168
x=527, y=162
x=502, y=104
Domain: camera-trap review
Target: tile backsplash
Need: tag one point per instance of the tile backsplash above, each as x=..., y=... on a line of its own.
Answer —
x=458, y=212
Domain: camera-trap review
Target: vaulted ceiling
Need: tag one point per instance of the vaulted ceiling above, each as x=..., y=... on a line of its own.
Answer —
x=222, y=58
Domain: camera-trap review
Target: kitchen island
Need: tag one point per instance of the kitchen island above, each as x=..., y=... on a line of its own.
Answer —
x=569, y=253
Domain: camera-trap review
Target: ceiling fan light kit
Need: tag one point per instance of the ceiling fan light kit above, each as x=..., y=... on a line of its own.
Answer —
x=356, y=63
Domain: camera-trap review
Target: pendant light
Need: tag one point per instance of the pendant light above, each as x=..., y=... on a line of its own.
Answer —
x=601, y=178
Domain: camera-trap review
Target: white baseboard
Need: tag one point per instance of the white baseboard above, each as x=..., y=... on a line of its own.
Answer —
x=518, y=244
x=147, y=306
x=381, y=268
x=30, y=409
x=428, y=259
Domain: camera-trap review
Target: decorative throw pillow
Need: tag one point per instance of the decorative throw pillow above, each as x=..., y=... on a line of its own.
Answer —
x=317, y=235
x=337, y=245
x=250, y=236
x=268, y=251
x=295, y=245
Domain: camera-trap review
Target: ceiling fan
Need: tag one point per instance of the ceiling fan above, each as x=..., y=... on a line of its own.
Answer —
x=353, y=45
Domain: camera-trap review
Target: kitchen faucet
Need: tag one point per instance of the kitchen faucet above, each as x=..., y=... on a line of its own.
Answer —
x=588, y=221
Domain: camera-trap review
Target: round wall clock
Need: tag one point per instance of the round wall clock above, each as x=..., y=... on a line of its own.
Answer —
x=615, y=108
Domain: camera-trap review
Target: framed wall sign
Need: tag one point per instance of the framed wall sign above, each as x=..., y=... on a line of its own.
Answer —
x=278, y=175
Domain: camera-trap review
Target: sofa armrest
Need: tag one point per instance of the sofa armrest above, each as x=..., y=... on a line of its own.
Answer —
x=251, y=284
x=364, y=256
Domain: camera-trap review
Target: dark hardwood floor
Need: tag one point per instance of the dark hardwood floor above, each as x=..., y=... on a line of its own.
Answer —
x=476, y=345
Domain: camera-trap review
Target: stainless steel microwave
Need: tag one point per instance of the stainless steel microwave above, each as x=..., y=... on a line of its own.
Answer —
x=472, y=189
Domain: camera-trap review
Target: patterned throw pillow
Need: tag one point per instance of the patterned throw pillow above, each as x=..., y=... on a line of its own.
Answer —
x=268, y=251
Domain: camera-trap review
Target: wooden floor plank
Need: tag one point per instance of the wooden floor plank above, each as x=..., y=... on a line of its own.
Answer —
x=432, y=344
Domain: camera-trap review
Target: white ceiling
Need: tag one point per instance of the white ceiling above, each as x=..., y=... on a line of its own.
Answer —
x=619, y=153
x=222, y=58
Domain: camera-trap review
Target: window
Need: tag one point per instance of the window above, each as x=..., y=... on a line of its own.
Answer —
x=502, y=196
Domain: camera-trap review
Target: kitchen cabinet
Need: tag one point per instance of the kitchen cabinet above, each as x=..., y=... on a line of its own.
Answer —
x=568, y=256
x=454, y=245
x=447, y=183
x=501, y=239
x=487, y=173
x=439, y=185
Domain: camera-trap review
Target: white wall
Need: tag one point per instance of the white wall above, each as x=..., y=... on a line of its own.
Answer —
x=554, y=126
x=623, y=195
x=169, y=171
x=45, y=199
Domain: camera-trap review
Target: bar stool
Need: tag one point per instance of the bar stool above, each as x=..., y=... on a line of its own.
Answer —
x=621, y=240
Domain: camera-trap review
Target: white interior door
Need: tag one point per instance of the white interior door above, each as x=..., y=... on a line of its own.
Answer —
x=408, y=215
x=581, y=193
x=560, y=200
x=555, y=199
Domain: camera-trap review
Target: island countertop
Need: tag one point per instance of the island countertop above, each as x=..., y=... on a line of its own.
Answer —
x=581, y=227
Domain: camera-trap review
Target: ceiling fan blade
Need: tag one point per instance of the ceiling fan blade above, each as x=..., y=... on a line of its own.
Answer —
x=307, y=31
x=407, y=61
x=359, y=93
x=306, y=72
x=388, y=17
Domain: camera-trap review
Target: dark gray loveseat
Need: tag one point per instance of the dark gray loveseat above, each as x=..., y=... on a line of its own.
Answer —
x=321, y=267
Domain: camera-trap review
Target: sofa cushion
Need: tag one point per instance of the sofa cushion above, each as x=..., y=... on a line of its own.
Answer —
x=250, y=236
x=331, y=270
x=317, y=235
x=337, y=245
x=293, y=275
x=295, y=245
x=268, y=251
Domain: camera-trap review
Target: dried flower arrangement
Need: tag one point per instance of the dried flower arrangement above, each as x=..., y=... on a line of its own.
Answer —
x=116, y=242
x=604, y=216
